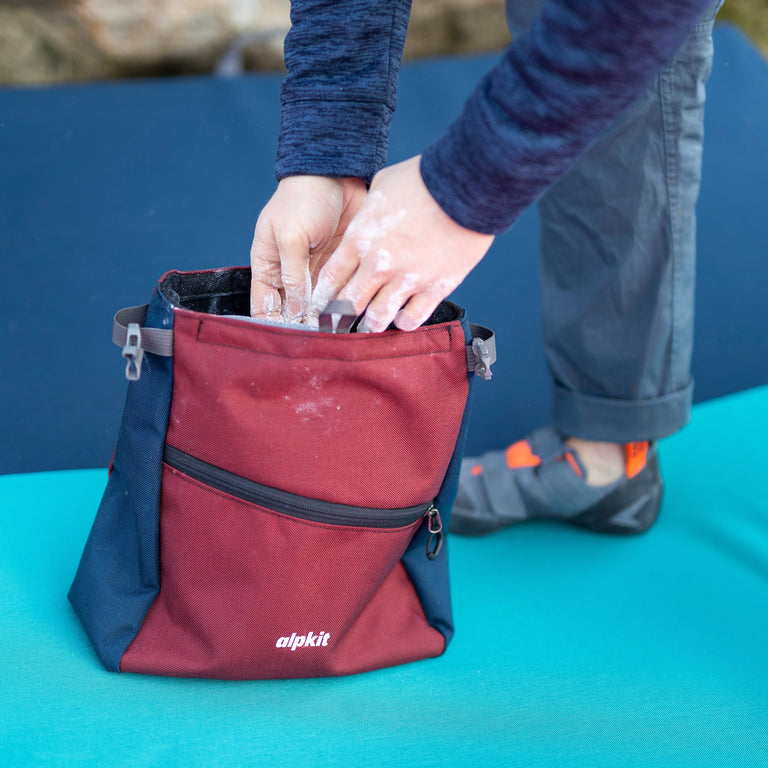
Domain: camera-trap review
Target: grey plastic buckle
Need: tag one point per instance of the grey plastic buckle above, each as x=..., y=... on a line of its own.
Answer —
x=483, y=358
x=338, y=317
x=133, y=352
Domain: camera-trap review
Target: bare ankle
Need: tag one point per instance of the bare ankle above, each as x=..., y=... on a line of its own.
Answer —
x=603, y=462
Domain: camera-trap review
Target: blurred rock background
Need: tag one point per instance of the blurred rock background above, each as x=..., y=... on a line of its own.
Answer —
x=48, y=41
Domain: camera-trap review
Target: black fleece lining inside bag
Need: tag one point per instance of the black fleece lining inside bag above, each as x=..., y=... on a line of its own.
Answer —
x=227, y=292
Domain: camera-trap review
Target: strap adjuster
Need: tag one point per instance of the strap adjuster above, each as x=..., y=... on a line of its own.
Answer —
x=133, y=352
x=482, y=358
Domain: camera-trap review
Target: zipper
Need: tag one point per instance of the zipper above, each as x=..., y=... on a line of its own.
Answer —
x=435, y=529
x=299, y=506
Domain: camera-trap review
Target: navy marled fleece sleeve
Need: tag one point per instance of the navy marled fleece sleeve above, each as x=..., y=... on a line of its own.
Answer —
x=339, y=95
x=554, y=91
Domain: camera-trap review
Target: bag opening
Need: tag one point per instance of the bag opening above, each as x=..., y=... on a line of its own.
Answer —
x=227, y=292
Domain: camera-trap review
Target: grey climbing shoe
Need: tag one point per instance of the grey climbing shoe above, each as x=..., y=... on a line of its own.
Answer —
x=542, y=477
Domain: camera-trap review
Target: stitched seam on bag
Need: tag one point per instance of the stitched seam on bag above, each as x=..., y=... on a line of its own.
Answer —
x=281, y=515
x=388, y=356
x=334, y=359
x=275, y=330
x=281, y=332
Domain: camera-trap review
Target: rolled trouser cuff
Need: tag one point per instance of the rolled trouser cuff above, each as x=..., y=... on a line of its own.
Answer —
x=616, y=420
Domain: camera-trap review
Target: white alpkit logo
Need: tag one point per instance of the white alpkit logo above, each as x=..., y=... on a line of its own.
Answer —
x=303, y=641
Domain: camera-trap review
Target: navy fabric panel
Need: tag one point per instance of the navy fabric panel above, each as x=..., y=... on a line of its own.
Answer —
x=430, y=577
x=104, y=187
x=731, y=344
x=119, y=573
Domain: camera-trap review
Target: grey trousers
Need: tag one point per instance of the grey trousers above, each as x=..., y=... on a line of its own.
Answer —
x=618, y=256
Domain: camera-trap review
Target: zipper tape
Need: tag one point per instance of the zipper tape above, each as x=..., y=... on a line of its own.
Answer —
x=277, y=500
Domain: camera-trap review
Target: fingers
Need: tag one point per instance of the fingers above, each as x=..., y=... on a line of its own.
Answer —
x=266, y=302
x=293, y=250
x=337, y=272
x=377, y=286
x=296, y=232
x=354, y=274
x=360, y=267
x=265, y=269
x=281, y=285
x=418, y=310
x=388, y=301
x=405, y=305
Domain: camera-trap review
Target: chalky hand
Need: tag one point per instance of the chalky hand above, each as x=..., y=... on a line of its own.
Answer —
x=297, y=230
x=400, y=256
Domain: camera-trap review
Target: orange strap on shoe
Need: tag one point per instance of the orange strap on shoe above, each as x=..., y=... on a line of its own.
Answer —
x=520, y=455
x=571, y=459
x=635, y=455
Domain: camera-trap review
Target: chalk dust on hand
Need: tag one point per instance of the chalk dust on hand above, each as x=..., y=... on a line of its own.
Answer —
x=371, y=229
x=271, y=303
x=322, y=296
x=298, y=317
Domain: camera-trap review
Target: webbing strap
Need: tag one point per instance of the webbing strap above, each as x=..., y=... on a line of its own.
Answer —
x=128, y=332
x=134, y=338
x=481, y=353
x=158, y=341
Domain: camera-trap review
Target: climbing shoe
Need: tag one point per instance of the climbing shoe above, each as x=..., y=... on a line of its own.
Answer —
x=543, y=477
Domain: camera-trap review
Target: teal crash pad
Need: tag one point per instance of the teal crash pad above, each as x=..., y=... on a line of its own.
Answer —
x=572, y=649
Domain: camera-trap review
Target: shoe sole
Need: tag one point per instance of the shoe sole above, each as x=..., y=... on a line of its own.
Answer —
x=638, y=503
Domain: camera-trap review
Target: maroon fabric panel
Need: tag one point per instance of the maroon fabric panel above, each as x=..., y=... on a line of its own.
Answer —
x=236, y=578
x=361, y=419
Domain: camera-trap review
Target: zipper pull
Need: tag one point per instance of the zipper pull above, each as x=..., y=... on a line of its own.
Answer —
x=435, y=528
